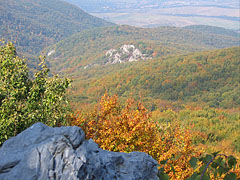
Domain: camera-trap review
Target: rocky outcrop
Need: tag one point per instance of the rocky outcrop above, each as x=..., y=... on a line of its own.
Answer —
x=51, y=52
x=63, y=153
x=126, y=53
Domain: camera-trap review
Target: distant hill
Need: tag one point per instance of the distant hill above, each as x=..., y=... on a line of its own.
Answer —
x=210, y=78
x=214, y=30
x=89, y=47
x=35, y=24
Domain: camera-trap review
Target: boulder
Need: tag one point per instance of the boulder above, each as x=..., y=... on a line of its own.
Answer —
x=62, y=153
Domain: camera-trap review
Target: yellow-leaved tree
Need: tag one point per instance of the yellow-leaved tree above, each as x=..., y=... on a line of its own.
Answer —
x=128, y=127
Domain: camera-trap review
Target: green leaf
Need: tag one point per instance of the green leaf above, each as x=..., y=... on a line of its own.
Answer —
x=208, y=158
x=163, y=162
x=232, y=161
x=215, y=174
x=222, y=170
x=214, y=165
x=215, y=153
x=173, y=169
x=193, y=162
x=219, y=161
x=202, y=168
x=230, y=176
x=205, y=177
x=198, y=177
x=164, y=177
x=193, y=177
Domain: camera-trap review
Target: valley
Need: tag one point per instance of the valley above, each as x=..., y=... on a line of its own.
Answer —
x=161, y=77
x=149, y=13
x=116, y=5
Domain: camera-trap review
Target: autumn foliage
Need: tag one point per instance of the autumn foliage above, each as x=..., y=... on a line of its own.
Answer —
x=129, y=127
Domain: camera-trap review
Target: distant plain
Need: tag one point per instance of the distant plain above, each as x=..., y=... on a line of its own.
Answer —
x=177, y=16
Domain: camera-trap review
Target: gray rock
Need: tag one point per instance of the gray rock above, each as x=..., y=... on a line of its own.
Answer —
x=62, y=153
x=126, y=53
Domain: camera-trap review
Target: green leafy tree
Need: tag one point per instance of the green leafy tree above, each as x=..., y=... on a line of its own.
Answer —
x=213, y=166
x=24, y=101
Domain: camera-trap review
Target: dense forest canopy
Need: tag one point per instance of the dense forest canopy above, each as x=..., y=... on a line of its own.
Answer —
x=78, y=50
x=210, y=77
x=213, y=30
x=35, y=24
x=117, y=126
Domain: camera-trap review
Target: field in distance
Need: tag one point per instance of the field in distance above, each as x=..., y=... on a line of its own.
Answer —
x=166, y=13
x=165, y=17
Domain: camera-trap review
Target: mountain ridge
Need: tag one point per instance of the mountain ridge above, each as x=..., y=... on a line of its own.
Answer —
x=34, y=25
x=89, y=47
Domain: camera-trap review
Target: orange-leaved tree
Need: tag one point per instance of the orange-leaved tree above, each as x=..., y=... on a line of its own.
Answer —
x=127, y=128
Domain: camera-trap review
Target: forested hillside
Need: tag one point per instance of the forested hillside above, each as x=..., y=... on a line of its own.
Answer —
x=210, y=77
x=89, y=47
x=178, y=139
x=200, y=91
x=171, y=92
x=213, y=30
x=35, y=24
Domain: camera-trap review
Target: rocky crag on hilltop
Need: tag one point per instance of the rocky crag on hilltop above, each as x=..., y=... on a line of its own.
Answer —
x=63, y=153
x=126, y=53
